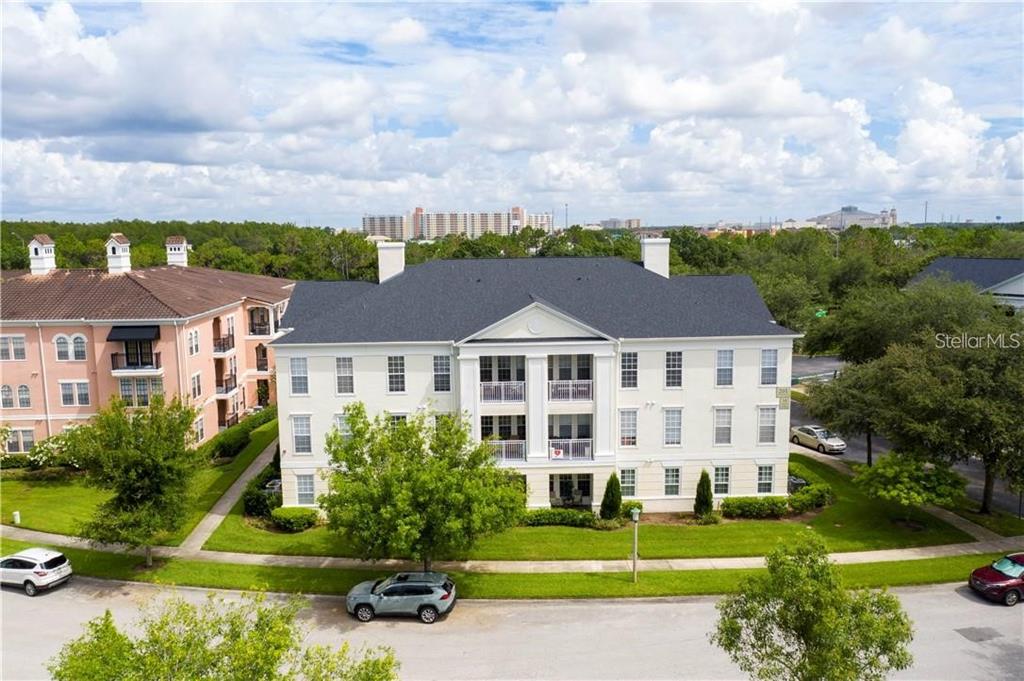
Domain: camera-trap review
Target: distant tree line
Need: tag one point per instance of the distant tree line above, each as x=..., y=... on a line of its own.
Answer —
x=797, y=272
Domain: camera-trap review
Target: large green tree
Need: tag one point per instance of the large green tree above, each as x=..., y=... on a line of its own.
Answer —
x=145, y=459
x=850, y=403
x=407, y=488
x=799, y=621
x=902, y=479
x=251, y=639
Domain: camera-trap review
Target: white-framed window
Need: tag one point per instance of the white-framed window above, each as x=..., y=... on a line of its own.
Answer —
x=674, y=369
x=396, y=374
x=672, y=422
x=672, y=481
x=628, y=370
x=193, y=342
x=78, y=348
x=765, y=425
x=397, y=419
x=197, y=385
x=20, y=440
x=723, y=367
x=721, y=479
x=305, y=494
x=346, y=382
x=341, y=424
x=136, y=392
x=627, y=428
x=63, y=346
x=69, y=349
x=765, y=479
x=200, y=429
x=302, y=438
x=12, y=347
x=627, y=480
x=442, y=374
x=299, y=376
x=24, y=397
x=723, y=425
x=6, y=397
x=74, y=393
x=769, y=366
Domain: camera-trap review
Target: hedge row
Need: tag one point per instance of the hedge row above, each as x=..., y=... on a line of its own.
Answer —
x=568, y=517
x=817, y=495
x=229, y=442
x=813, y=496
x=294, y=519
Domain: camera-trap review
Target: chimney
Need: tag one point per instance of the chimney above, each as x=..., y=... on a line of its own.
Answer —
x=119, y=254
x=177, y=251
x=42, y=254
x=390, y=259
x=655, y=255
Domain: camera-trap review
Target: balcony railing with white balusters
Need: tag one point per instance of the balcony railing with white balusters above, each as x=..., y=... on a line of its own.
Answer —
x=576, y=449
x=566, y=391
x=509, y=450
x=503, y=391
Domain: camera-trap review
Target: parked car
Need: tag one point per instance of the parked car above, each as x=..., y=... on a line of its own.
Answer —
x=1002, y=581
x=796, y=483
x=35, y=569
x=426, y=595
x=818, y=438
x=273, y=486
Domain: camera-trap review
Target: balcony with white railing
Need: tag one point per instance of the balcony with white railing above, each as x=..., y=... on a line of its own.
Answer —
x=576, y=449
x=509, y=450
x=570, y=391
x=503, y=391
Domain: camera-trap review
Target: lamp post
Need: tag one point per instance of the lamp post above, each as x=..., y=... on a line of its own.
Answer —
x=635, y=512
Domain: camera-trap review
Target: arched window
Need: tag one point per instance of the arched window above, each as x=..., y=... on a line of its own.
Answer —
x=78, y=345
x=6, y=397
x=24, y=397
x=63, y=348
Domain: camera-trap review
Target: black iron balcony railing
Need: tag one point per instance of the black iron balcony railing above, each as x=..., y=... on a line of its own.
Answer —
x=119, y=361
x=228, y=420
x=224, y=343
x=259, y=328
x=227, y=384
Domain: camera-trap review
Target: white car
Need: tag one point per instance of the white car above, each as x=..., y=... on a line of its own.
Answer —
x=35, y=569
x=818, y=438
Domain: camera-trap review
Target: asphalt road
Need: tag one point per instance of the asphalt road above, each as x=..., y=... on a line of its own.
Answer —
x=856, y=450
x=958, y=636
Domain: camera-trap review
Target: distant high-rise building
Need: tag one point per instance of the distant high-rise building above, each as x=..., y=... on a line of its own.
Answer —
x=395, y=227
x=633, y=223
x=421, y=224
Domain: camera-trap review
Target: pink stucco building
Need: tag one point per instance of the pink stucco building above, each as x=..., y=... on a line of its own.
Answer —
x=72, y=339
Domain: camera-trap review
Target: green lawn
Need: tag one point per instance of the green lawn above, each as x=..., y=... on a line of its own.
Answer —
x=1001, y=523
x=175, y=572
x=853, y=523
x=60, y=506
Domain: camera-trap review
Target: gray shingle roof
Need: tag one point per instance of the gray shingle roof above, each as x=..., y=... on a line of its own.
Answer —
x=982, y=272
x=449, y=300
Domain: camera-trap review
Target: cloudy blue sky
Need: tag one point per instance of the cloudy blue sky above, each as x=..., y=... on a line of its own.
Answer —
x=669, y=112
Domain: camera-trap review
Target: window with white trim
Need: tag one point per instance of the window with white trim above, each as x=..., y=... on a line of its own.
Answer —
x=24, y=397
x=74, y=393
x=765, y=425
x=769, y=366
x=302, y=438
x=299, y=376
x=341, y=424
x=672, y=422
x=396, y=374
x=628, y=370
x=63, y=346
x=627, y=481
x=765, y=479
x=197, y=385
x=193, y=342
x=721, y=479
x=723, y=425
x=136, y=392
x=304, y=490
x=674, y=369
x=344, y=376
x=442, y=373
x=20, y=440
x=12, y=347
x=672, y=481
x=627, y=428
x=78, y=348
x=6, y=397
x=723, y=367
x=398, y=419
x=200, y=429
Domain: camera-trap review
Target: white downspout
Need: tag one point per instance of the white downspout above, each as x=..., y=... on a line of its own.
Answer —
x=46, y=391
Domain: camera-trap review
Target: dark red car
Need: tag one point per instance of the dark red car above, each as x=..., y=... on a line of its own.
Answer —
x=1001, y=581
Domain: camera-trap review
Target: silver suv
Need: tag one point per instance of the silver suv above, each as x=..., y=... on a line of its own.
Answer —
x=426, y=595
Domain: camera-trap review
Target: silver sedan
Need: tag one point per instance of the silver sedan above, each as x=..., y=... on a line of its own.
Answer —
x=818, y=438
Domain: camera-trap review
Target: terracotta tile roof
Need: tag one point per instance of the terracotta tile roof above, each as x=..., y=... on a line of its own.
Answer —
x=43, y=239
x=174, y=240
x=151, y=293
x=119, y=238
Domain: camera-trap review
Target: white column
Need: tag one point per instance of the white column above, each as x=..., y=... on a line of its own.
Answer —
x=469, y=392
x=604, y=405
x=537, y=407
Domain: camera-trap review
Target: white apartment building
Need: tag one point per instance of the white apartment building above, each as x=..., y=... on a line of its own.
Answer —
x=573, y=368
x=420, y=224
x=396, y=227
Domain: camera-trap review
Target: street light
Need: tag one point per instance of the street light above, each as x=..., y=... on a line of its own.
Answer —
x=635, y=512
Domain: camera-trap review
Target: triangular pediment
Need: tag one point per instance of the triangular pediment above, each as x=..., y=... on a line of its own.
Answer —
x=537, y=321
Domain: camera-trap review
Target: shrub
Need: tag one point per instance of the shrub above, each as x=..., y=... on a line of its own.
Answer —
x=628, y=506
x=811, y=497
x=754, y=507
x=559, y=516
x=703, y=503
x=294, y=519
x=611, y=504
x=14, y=461
x=255, y=501
x=609, y=523
x=228, y=443
x=711, y=518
